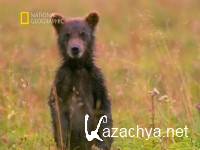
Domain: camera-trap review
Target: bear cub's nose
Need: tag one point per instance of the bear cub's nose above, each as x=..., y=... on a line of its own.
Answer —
x=75, y=50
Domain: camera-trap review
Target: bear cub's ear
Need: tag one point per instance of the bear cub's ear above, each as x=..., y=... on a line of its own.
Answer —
x=92, y=19
x=57, y=21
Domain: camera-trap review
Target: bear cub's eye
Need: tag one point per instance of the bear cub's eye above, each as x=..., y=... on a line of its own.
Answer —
x=83, y=34
x=67, y=35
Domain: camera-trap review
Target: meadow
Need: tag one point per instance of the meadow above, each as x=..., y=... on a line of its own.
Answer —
x=143, y=47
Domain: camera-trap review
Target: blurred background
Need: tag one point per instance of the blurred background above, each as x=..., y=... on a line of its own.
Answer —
x=141, y=46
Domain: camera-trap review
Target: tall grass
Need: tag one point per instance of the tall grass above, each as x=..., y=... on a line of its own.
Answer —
x=141, y=45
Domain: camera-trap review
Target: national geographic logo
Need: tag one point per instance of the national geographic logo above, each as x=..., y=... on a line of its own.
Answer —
x=24, y=17
x=34, y=17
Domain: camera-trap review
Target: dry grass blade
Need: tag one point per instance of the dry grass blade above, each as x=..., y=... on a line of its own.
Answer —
x=59, y=126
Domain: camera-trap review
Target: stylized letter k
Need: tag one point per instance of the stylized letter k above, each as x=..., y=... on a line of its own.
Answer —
x=94, y=134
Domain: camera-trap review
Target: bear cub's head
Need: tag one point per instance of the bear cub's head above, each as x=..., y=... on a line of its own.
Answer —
x=75, y=36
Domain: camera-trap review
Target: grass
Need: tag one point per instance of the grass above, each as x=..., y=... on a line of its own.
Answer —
x=141, y=45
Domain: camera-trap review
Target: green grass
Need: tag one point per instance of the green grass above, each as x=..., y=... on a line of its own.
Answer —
x=141, y=45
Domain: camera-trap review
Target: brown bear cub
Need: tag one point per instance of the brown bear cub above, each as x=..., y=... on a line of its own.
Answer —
x=79, y=87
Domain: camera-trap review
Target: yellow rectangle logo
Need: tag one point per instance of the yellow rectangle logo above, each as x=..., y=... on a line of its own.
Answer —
x=24, y=17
